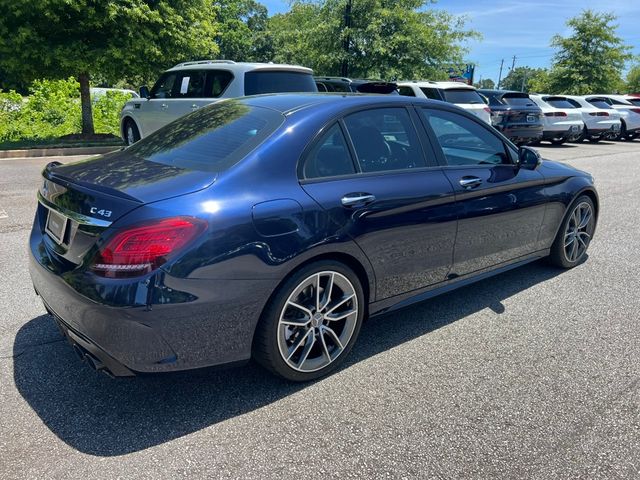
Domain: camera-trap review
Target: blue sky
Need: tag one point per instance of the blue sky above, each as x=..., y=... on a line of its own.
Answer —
x=522, y=28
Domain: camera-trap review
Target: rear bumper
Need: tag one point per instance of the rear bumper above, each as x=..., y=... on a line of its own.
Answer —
x=156, y=323
x=565, y=134
x=521, y=133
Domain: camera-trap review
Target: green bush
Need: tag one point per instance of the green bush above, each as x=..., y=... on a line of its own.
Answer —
x=53, y=110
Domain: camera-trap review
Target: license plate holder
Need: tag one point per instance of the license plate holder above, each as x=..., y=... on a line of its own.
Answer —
x=56, y=226
x=531, y=118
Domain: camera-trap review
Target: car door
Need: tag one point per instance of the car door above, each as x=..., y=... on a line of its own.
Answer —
x=370, y=173
x=152, y=113
x=501, y=205
x=195, y=89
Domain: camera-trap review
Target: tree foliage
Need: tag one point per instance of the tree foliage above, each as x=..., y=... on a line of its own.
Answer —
x=591, y=59
x=387, y=39
x=633, y=80
x=485, y=83
x=519, y=79
x=108, y=39
x=242, y=34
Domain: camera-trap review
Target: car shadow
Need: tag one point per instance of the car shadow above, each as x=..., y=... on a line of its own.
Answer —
x=103, y=416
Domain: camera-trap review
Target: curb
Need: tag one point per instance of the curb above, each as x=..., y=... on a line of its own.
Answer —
x=56, y=152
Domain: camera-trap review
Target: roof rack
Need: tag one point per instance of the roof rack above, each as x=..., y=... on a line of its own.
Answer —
x=203, y=62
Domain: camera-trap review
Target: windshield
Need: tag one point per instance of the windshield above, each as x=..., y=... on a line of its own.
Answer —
x=462, y=95
x=212, y=138
x=257, y=82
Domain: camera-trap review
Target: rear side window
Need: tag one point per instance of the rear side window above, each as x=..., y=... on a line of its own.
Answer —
x=211, y=138
x=462, y=95
x=431, y=93
x=190, y=84
x=275, y=81
x=384, y=139
x=406, y=91
x=330, y=156
x=463, y=141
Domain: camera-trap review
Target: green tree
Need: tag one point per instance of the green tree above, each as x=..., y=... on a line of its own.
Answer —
x=540, y=82
x=519, y=79
x=386, y=39
x=107, y=39
x=485, y=83
x=243, y=35
x=591, y=59
x=633, y=80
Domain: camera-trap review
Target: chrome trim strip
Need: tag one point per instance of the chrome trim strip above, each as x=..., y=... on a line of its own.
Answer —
x=77, y=217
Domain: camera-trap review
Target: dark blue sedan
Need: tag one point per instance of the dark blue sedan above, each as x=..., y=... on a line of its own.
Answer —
x=269, y=227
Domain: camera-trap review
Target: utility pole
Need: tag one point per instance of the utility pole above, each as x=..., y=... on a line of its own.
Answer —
x=500, y=74
x=513, y=63
x=524, y=79
x=344, y=68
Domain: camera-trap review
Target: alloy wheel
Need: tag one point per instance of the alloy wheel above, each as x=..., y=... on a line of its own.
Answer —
x=577, y=234
x=317, y=321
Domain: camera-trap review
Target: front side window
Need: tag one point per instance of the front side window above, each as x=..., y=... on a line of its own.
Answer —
x=330, y=156
x=463, y=141
x=164, y=86
x=384, y=139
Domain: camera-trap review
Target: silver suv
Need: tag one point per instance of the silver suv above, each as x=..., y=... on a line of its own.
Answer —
x=191, y=85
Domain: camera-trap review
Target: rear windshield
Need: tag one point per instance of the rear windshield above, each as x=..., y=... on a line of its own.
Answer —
x=276, y=81
x=462, y=95
x=559, y=103
x=600, y=104
x=517, y=100
x=211, y=139
x=635, y=101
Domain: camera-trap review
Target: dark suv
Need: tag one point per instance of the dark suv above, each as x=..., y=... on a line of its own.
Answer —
x=355, y=85
x=515, y=115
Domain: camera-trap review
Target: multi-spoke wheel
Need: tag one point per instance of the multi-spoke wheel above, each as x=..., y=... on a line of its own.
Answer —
x=312, y=322
x=131, y=132
x=575, y=234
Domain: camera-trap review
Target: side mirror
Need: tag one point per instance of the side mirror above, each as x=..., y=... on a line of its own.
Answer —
x=528, y=158
x=144, y=92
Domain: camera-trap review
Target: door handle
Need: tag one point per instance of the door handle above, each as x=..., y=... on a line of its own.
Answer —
x=470, y=182
x=357, y=199
x=164, y=106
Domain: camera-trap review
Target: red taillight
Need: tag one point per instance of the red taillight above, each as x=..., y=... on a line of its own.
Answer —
x=635, y=110
x=144, y=248
x=555, y=114
x=487, y=109
x=599, y=114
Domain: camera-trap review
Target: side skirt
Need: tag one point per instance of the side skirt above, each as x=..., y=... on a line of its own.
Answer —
x=407, y=299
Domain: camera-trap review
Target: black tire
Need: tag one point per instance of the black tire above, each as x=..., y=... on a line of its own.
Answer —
x=558, y=141
x=595, y=139
x=131, y=132
x=623, y=131
x=558, y=255
x=266, y=347
x=583, y=136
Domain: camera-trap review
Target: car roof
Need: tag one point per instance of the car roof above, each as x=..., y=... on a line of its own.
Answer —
x=430, y=83
x=238, y=66
x=287, y=103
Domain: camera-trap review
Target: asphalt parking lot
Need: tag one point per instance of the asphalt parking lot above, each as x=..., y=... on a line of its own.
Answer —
x=531, y=374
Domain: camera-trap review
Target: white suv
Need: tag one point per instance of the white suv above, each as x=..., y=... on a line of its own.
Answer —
x=559, y=124
x=461, y=94
x=600, y=122
x=628, y=109
x=191, y=85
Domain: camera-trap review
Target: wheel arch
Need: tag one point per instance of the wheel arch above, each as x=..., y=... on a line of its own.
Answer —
x=124, y=120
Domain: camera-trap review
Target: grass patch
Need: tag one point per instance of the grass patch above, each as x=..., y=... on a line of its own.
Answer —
x=66, y=141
